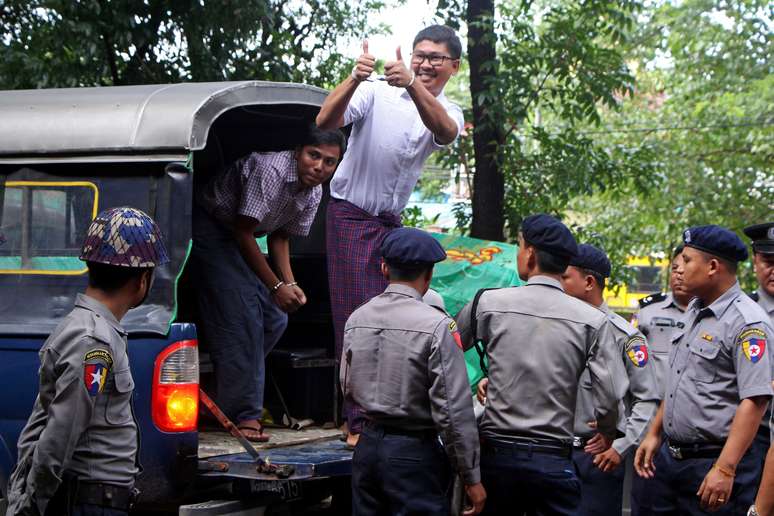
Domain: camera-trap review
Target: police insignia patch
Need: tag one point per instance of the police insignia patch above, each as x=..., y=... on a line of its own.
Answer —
x=637, y=351
x=96, y=366
x=455, y=334
x=753, y=344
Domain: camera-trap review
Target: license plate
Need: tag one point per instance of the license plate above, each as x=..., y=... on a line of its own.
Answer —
x=287, y=490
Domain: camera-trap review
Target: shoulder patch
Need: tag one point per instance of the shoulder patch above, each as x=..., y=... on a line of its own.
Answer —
x=753, y=342
x=637, y=351
x=455, y=334
x=652, y=298
x=96, y=366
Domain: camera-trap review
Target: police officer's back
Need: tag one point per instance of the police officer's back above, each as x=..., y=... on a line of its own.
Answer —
x=717, y=389
x=402, y=363
x=538, y=341
x=78, y=451
x=599, y=467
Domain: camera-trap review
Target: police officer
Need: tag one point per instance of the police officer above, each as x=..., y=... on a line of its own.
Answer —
x=717, y=389
x=78, y=451
x=597, y=457
x=402, y=363
x=659, y=316
x=538, y=342
x=762, y=236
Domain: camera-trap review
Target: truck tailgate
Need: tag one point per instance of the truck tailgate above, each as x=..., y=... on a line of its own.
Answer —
x=313, y=452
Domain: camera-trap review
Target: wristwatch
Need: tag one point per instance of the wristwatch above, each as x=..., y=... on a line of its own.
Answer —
x=752, y=511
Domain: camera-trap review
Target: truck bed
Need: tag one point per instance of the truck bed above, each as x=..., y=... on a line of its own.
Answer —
x=314, y=452
x=212, y=442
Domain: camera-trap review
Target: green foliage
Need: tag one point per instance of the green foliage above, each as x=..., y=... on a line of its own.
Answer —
x=560, y=67
x=432, y=188
x=413, y=217
x=462, y=217
x=705, y=104
x=50, y=43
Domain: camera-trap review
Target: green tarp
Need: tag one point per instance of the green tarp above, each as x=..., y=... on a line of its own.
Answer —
x=472, y=264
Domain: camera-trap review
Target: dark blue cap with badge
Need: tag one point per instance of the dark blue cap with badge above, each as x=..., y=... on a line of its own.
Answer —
x=717, y=241
x=762, y=236
x=549, y=234
x=411, y=247
x=593, y=259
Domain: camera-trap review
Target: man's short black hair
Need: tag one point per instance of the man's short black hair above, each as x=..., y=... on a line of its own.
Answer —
x=403, y=273
x=731, y=266
x=316, y=136
x=678, y=251
x=441, y=34
x=551, y=263
x=110, y=278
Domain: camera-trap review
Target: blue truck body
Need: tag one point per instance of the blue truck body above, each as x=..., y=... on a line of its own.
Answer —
x=67, y=154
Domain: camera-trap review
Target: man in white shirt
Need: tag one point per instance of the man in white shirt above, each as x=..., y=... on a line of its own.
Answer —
x=396, y=124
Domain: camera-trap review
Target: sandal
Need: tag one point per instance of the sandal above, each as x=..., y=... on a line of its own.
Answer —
x=253, y=433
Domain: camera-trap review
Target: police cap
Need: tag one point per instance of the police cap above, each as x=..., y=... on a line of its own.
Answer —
x=593, y=259
x=717, y=241
x=762, y=236
x=549, y=234
x=411, y=247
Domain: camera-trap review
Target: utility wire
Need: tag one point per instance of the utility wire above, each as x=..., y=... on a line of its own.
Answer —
x=679, y=128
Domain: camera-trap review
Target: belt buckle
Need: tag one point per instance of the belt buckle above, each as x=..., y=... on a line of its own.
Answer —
x=577, y=442
x=676, y=452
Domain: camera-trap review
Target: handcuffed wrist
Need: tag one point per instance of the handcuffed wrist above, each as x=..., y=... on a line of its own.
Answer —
x=276, y=287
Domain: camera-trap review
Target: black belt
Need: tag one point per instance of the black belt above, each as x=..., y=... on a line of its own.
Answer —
x=106, y=495
x=73, y=491
x=519, y=445
x=376, y=428
x=681, y=451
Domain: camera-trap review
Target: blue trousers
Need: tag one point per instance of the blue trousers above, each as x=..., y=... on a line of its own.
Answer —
x=399, y=475
x=238, y=318
x=534, y=483
x=642, y=495
x=601, y=493
x=677, y=481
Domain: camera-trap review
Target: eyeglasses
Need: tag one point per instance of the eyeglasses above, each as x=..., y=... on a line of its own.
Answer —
x=433, y=59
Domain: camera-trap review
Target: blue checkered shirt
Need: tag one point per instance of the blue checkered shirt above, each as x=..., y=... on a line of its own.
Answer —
x=265, y=187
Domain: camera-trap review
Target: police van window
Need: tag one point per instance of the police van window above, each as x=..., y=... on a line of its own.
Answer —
x=43, y=226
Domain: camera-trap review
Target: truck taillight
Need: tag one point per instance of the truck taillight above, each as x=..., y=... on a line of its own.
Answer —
x=175, y=403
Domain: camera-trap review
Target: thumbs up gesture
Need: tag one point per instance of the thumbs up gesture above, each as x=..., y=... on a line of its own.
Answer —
x=396, y=72
x=365, y=64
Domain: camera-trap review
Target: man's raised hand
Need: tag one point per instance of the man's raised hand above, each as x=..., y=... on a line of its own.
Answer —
x=396, y=72
x=365, y=64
